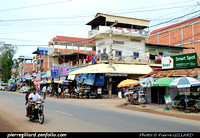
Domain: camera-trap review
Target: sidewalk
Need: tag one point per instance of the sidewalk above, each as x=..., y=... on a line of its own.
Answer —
x=159, y=109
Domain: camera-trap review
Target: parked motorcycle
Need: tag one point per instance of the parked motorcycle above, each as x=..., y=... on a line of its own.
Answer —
x=187, y=104
x=36, y=112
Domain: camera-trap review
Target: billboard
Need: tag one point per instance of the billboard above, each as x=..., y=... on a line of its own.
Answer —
x=180, y=61
x=54, y=71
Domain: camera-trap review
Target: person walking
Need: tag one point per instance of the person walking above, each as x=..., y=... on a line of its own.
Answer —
x=50, y=90
x=44, y=91
x=59, y=92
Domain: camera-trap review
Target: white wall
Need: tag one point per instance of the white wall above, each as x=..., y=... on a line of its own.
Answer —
x=127, y=48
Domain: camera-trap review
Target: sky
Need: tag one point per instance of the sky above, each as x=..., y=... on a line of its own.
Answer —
x=28, y=23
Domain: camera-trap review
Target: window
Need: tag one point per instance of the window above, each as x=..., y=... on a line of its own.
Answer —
x=136, y=55
x=135, y=40
x=118, y=42
x=161, y=53
x=118, y=53
x=104, y=51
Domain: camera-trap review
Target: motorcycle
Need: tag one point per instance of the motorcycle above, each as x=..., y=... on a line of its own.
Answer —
x=36, y=112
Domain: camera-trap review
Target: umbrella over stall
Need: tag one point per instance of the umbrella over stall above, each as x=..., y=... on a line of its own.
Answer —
x=128, y=82
x=184, y=82
x=147, y=82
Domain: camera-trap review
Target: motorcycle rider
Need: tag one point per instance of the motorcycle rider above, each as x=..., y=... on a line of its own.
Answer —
x=27, y=102
x=33, y=97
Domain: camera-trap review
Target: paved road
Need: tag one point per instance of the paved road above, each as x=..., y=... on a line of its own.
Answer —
x=86, y=115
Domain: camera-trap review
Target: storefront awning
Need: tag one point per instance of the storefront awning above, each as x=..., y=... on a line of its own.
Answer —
x=45, y=76
x=116, y=68
x=163, y=82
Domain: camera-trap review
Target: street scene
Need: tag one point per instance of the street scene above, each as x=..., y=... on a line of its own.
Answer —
x=100, y=68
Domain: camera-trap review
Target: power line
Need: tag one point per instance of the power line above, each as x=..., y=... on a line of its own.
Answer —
x=34, y=6
x=83, y=16
x=175, y=18
x=157, y=9
x=154, y=6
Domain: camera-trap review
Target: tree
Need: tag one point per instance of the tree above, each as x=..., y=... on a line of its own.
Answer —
x=7, y=62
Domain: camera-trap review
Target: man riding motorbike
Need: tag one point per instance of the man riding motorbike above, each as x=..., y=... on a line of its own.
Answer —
x=33, y=97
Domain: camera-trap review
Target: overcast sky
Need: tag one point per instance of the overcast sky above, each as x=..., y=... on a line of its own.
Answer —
x=35, y=22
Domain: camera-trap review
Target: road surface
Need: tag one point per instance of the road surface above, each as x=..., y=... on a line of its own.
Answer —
x=86, y=115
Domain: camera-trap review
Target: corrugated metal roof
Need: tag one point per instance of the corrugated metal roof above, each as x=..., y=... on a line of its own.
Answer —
x=116, y=68
x=73, y=39
x=173, y=73
x=100, y=19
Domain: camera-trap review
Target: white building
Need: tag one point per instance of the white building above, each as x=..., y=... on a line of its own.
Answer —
x=126, y=38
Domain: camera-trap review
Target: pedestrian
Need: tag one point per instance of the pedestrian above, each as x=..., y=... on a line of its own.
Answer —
x=59, y=92
x=50, y=90
x=44, y=91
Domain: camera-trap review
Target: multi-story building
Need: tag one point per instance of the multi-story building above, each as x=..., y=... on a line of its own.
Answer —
x=118, y=37
x=74, y=52
x=182, y=34
x=42, y=60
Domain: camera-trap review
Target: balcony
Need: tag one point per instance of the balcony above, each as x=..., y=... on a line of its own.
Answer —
x=100, y=30
x=122, y=59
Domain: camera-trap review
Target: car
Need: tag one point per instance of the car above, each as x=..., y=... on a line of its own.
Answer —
x=2, y=88
x=24, y=89
x=13, y=87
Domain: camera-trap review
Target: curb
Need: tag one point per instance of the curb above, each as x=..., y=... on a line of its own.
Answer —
x=160, y=112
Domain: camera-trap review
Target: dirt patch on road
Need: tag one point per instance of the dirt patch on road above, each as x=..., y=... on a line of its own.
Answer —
x=162, y=112
x=6, y=124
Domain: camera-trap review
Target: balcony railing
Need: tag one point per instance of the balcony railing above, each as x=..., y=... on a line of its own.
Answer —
x=104, y=57
x=118, y=31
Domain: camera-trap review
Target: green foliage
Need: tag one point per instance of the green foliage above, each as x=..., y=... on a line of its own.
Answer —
x=7, y=62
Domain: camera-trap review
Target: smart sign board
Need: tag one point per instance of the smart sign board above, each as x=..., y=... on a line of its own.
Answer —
x=180, y=61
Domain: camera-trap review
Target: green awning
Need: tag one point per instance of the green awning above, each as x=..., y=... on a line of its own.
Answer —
x=163, y=82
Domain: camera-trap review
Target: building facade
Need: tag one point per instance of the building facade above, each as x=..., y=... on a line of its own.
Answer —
x=118, y=37
x=183, y=34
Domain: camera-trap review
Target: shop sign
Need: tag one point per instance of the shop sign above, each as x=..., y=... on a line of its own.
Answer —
x=180, y=61
x=54, y=71
x=63, y=70
x=167, y=99
x=167, y=63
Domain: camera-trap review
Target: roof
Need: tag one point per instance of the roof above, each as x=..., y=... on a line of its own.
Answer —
x=123, y=21
x=176, y=25
x=73, y=39
x=117, y=68
x=175, y=72
x=171, y=46
x=69, y=54
x=41, y=50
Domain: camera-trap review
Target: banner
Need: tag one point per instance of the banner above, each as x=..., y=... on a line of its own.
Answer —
x=167, y=99
x=54, y=71
x=180, y=61
x=63, y=70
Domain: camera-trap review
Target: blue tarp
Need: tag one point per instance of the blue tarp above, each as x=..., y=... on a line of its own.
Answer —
x=80, y=77
x=99, y=80
x=90, y=79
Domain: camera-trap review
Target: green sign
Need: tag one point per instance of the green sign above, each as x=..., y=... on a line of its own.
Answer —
x=180, y=61
x=185, y=60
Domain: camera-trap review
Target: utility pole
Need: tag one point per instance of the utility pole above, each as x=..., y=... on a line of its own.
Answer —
x=111, y=42
x=110, y=56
